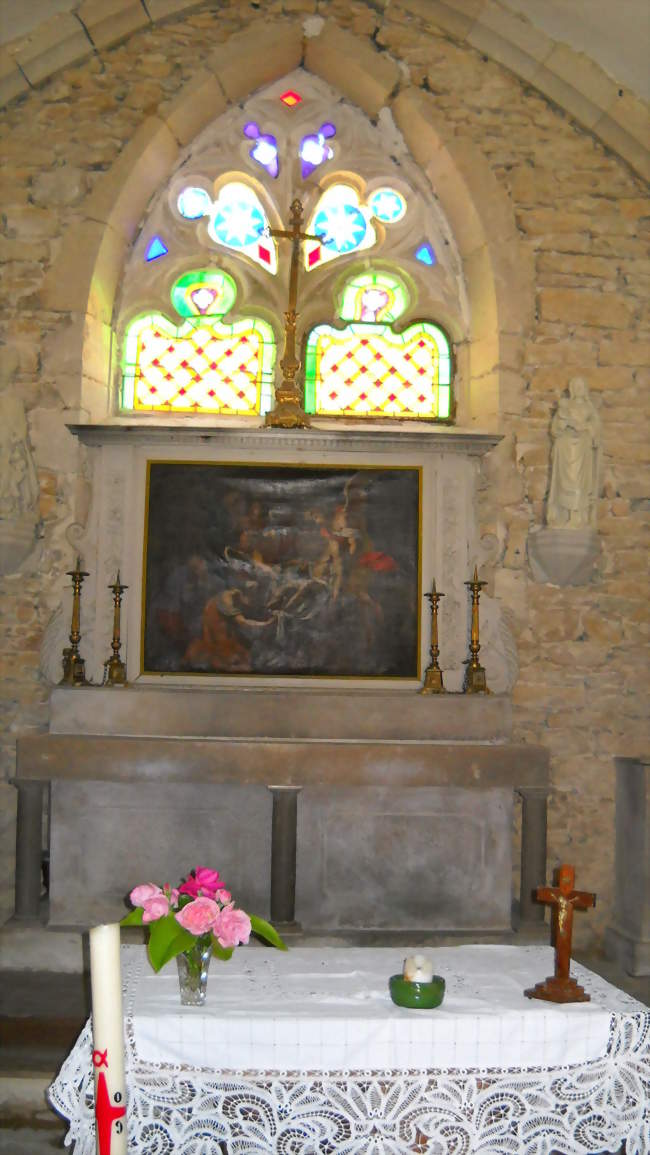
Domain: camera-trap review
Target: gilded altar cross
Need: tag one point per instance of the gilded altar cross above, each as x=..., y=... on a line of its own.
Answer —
x=289, y=412
x=560, y=987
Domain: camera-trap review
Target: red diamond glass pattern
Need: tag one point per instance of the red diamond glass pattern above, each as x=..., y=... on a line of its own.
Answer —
x=291, y=98
x=187, y=375
x=397, y=362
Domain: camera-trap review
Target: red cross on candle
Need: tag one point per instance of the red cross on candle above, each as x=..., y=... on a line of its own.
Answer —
x=105, y=1114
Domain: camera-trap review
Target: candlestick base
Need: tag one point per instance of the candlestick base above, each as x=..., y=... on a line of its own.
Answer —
x=475, y=680
x=558, y=990
x=74, y=669
x=433, y=681
x=66, y=660
x=115, y=672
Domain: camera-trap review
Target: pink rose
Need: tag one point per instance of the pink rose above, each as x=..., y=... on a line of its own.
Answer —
x=223, y=896
x=155, y=908
x=208, y=880
x=203, y=881
x=232, y=927
x=191, y=886
x=198, y=916
x=141, y=894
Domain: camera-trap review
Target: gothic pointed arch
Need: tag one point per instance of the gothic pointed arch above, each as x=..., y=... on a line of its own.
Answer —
x=496, y=268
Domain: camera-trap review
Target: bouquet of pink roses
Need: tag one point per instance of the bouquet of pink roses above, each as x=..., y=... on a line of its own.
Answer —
x=198, y=912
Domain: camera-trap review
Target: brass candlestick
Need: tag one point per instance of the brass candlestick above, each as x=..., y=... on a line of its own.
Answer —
x=74, y=667
x=475, y=682
x=288, y=412
x=433, y=673
x=115, y=674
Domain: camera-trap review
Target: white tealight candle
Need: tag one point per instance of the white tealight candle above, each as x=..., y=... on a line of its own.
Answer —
x=108, y=1040
x=418, y=969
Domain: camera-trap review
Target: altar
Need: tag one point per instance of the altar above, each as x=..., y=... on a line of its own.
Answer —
x=290, y=785
x=305, y=1052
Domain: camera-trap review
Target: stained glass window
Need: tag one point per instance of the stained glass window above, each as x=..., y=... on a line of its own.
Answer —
x=340, y=220
x=291, y=98
x=425, y=254
x=194, y=202
x=387, y=205
x=156, y=248
x=238, y=220
x=202, y=365
x=265, y=149
x=313, y=149
x=367, y=369
x=342, y=223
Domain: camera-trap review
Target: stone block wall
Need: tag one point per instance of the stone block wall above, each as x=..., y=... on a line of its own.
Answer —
x=582, y=215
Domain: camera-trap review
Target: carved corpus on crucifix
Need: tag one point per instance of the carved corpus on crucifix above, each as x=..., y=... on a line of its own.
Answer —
x=289, y=412
x=560, y=987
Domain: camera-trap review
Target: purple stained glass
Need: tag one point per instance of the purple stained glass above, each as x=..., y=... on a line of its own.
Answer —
x=265, y=149
x=313, y=149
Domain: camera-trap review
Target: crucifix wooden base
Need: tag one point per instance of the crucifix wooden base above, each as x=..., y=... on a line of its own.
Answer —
x=560, y=987
x=559, y=990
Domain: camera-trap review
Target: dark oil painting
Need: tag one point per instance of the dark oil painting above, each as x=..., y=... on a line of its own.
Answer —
x=279, y=570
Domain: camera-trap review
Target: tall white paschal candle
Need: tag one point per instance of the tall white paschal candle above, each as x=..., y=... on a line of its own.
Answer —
x=108, y=1040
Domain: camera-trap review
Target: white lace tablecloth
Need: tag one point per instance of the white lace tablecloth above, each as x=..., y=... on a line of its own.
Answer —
x=305, y=1054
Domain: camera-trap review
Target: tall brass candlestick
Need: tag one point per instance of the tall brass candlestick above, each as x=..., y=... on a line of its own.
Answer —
x=74, y=667
x=288, y=412
x=114, y=666
x=433, y=673
x=475, y=681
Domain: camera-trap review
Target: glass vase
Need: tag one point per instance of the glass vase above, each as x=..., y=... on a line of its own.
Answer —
x=193, y=968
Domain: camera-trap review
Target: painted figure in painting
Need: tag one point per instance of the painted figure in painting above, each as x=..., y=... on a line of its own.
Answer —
x=575, y=460
x=283, y=571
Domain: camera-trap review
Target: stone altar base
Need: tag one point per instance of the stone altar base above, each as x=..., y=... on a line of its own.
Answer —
x=346, y=812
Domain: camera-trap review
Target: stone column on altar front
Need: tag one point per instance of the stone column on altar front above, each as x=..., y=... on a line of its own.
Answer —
x=283, y=853
x=29, y=830
x=533, y=854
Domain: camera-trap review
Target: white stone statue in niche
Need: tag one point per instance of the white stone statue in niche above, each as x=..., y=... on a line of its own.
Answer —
x=575, y=430
x=18, y=486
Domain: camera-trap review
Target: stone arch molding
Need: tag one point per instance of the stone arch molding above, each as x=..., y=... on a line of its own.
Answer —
x=84, y=281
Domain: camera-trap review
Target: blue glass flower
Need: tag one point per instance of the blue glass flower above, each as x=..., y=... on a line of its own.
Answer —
x=341, y=227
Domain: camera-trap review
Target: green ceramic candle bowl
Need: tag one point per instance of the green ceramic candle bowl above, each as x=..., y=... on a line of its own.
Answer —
x=417, y=995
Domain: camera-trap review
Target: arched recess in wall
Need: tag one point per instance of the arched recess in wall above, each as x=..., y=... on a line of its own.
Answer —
x=497, y=268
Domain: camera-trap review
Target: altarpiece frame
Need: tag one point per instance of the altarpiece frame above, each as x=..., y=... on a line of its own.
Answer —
x=285, y=570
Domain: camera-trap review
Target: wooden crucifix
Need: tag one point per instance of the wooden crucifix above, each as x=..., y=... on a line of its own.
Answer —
x=560, y=987
x=288, y=412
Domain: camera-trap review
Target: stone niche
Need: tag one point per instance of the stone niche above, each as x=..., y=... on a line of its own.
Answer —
x=342, y=807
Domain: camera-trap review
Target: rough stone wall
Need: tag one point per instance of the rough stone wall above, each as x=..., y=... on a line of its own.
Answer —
x=584, y=215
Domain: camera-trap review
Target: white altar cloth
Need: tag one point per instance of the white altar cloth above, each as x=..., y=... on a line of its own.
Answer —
x=304, y=1052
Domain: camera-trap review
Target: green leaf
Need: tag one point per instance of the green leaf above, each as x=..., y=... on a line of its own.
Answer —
x=220, y=951
x=167, y=938
x=263, y=929
x=133, y=918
